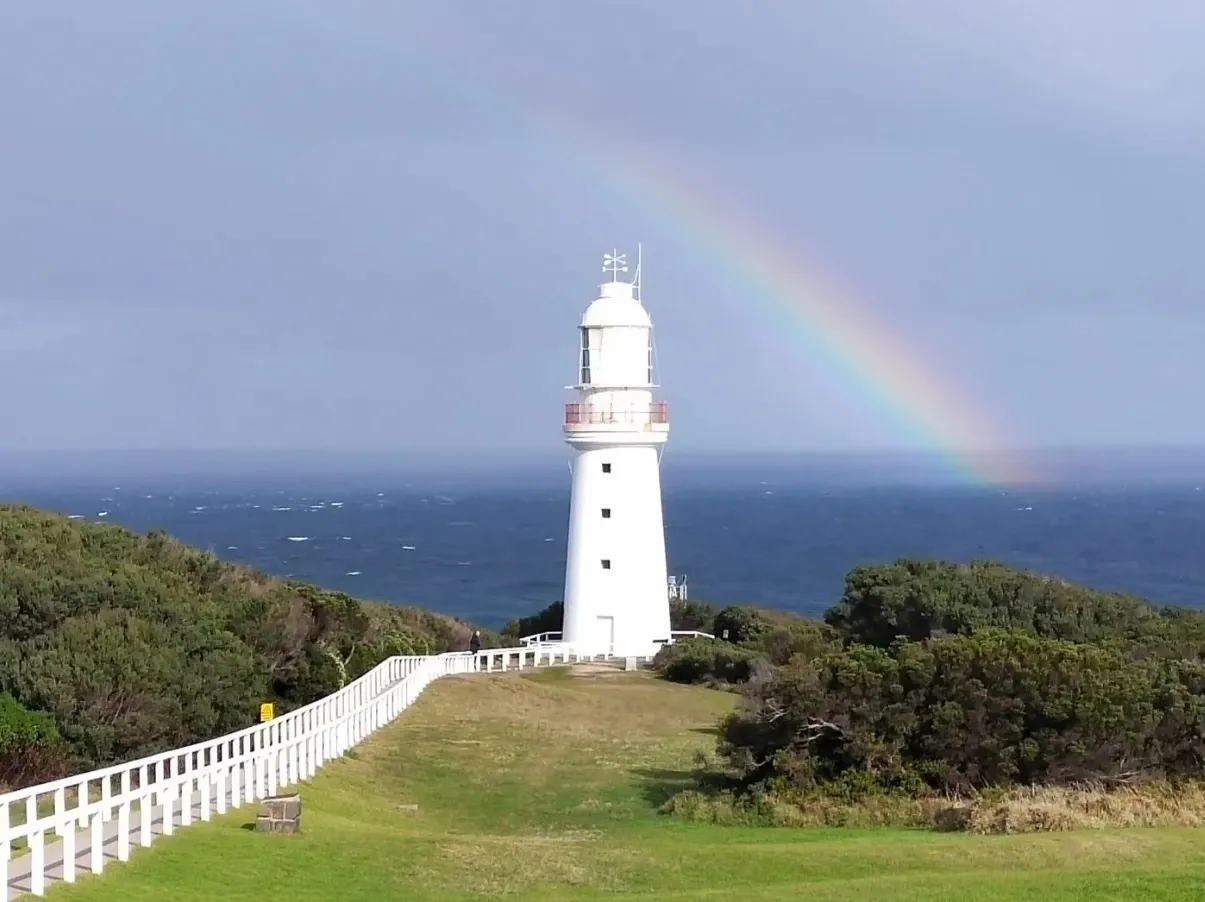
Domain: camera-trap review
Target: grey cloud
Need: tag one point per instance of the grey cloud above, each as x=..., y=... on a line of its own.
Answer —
x=310, y=224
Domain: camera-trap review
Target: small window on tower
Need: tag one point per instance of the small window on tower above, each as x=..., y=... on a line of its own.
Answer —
x=606, y=563
x=606, y=468
x=585, y=361
x=606, y=512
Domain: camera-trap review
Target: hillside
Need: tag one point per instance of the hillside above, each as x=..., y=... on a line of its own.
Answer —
x=547, y=785
x=115, y=645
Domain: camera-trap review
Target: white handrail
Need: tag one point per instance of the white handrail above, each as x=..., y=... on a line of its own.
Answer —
x=168, y=789
x=551, y=637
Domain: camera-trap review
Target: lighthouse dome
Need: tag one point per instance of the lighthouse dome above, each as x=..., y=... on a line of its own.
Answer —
x=616, y=306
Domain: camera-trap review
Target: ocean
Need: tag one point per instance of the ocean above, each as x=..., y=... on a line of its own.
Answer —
x=492, y=552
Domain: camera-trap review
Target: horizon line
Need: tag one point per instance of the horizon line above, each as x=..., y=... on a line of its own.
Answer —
x=447, y=453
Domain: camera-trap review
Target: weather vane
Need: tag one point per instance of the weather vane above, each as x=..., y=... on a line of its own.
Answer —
x=615, y=263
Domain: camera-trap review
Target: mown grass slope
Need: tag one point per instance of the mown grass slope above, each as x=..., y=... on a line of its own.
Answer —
x=546, y=786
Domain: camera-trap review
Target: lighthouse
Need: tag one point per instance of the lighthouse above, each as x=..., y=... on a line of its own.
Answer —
x=616, y=596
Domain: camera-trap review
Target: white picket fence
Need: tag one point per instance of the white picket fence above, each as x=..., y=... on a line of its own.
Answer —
x=53, y=831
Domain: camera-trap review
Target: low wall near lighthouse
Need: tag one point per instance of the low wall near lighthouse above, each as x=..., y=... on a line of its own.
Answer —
x=59, y=829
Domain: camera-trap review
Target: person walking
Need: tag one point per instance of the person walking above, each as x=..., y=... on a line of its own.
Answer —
x=474, y=647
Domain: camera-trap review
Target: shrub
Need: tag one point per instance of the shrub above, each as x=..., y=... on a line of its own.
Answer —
x=996, y=708
x=31, y=750
x=916, y=600
x=700, y=660
x=691, y=615
x=800, y=637
x=741, y=624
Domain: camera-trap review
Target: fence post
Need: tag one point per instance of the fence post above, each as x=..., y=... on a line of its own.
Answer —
x=70, y=832
x=96, y=851
x=37, y=863
x=123, y=831
x=185, y=788
x=146, y=810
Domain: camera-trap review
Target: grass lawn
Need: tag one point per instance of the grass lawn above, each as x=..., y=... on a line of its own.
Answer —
x=545, y=785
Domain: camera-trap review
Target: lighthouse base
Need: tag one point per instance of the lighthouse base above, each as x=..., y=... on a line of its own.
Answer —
x=616, y=601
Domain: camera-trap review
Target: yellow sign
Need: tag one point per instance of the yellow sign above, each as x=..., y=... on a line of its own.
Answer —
x=266, y=712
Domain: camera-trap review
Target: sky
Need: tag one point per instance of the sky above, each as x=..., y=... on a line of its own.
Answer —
x=365, y=225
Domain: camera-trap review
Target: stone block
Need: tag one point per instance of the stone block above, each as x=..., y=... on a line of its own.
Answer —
x=629, y=663
x=279, y=814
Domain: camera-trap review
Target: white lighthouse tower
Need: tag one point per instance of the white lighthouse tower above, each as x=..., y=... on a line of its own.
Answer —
x=616, y=597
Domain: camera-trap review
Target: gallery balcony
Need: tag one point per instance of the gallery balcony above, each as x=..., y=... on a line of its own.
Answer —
x=581, y=418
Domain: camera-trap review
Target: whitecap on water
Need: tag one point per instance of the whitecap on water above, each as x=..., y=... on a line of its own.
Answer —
x=353, y=573
x=407, y=548
x=299, y=538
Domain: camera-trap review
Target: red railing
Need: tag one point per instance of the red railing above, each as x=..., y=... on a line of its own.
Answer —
x=578, y=414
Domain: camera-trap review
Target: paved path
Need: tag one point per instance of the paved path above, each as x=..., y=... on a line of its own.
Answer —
x=18, y=869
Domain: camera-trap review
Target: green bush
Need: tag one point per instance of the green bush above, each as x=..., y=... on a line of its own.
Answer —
x=741, y=624
x=136, y=644
x=686, y=615
x=995, y=708
x=797, y=637
x=916, y=600
x=697, y=659
x=31, y=750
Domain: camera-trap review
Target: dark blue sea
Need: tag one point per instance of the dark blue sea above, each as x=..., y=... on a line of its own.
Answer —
x=491, y=552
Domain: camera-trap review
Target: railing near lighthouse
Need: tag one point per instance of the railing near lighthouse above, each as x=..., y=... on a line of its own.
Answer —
x=77, y=824
x=579, y=414
x=554, y=637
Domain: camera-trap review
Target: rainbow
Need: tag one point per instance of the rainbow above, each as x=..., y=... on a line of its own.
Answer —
x=795, y=297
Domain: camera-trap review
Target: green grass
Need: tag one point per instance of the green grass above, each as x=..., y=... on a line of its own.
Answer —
x=545, y=786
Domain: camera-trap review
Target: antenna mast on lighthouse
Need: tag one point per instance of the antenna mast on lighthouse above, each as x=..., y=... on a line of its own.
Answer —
x=639, y=269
